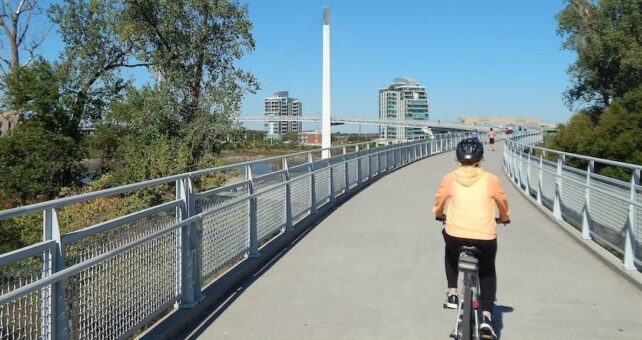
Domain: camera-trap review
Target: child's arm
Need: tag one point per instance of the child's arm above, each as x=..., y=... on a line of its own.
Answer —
x=500, y=199
x=442, y=195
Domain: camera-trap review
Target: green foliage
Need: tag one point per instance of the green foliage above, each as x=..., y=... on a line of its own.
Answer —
x=93, y=56
x=356, y=138
x=146, y=112
x=35, y=92
x=35, y=161
x=607, y=37
x=208, y=133
x=291, y=137
x=20, y=232
x=103, y=145
x=151, y=158
x=192, y=46
x=617, y=135
x=577, y=135
x=179, y=123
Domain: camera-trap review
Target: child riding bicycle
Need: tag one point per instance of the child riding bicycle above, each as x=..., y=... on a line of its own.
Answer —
x=472, y=195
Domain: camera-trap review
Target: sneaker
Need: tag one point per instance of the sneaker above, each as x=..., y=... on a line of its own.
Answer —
x=452, y=301
x=486, y=329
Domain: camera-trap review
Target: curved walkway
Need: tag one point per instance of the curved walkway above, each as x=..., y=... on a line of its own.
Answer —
x=373, y=269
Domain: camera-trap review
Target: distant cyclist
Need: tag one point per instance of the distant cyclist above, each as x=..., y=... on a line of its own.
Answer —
x=472, y=194
x=491, y=139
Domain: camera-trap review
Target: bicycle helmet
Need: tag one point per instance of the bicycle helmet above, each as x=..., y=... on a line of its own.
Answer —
x=469, y=151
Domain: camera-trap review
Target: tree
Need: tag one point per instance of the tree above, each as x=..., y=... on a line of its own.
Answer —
x=16, y=20
x=35, y=161
x=616, y=136
x=193, y=46
x=36, y=93
x=607, y=37
x=96, y=49
x=290, y=137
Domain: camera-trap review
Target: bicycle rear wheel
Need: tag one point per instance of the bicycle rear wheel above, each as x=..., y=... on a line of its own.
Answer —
x=467, y=317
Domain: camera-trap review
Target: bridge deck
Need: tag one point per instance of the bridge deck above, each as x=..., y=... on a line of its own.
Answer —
x=373, y=269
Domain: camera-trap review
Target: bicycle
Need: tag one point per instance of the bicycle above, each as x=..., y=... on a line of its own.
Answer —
x=467, y=321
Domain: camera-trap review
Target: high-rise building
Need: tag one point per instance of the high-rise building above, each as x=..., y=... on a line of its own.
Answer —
x=404, y=99
x=280, y=104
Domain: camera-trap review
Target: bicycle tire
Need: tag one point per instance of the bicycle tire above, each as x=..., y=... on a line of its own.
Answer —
x=466, y=322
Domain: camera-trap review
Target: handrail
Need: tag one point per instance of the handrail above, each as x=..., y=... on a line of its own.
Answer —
x=60, y=202
x=630, y=166
x=600, y=218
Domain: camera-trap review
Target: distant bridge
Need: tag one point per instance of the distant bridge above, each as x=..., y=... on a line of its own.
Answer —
x=338, y=120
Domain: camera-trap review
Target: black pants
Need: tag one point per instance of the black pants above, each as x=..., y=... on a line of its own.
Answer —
x=487, y=276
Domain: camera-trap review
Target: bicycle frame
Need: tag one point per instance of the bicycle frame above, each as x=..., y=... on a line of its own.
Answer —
x=467, y=322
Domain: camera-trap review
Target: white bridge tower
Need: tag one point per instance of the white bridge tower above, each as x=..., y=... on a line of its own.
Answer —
x=326, y=128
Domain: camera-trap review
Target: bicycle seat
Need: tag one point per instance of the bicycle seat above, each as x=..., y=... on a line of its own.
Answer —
x=471, y=251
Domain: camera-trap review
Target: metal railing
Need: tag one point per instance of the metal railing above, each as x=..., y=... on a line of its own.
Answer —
x=109, y=279
x=606, y=210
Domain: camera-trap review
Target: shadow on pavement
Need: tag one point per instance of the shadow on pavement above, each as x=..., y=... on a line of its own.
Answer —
x=498, y=318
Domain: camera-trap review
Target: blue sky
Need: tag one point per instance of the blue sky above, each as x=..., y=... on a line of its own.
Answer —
x=495, y=57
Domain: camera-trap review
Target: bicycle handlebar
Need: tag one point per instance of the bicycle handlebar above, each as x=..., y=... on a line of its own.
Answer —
x=442, y=218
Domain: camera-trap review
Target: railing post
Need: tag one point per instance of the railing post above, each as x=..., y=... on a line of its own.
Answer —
x=190, y=292
x=331, y=180
x=359, y=174
x=527, y=186
x=190, y=264
x=414, y=152
x=313, y=190
x=586, y=213
x=511, y=161
x=519, y=169
x=394, y=158
x=253, y=250
x=540, y=177
x=378, y=154
x=53, y=298
x=369, y=162
x=630, y=243
x=557, y=207
x=288, y=196
x=347, y=171
x=185, y=194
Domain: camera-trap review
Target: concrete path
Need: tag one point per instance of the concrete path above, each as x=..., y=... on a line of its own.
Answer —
x=373, y=269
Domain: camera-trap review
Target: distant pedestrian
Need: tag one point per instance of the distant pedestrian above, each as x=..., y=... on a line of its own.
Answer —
x=491, y=139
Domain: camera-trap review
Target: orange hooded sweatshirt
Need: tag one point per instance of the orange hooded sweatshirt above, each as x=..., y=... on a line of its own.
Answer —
x=473, y=195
